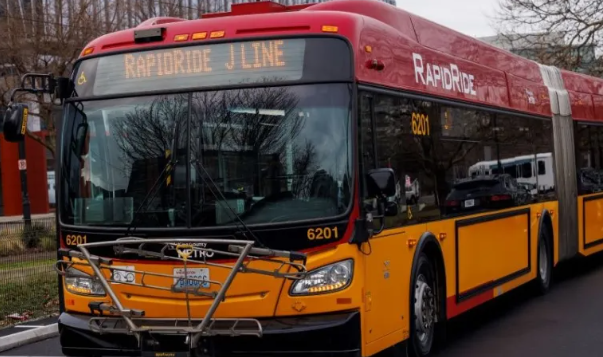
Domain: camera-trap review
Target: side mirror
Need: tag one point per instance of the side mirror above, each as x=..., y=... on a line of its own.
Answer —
x=381, y=182
x=15, y=122
x=64, y=88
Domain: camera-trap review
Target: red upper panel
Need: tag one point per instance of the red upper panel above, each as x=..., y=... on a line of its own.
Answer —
x=418, y=55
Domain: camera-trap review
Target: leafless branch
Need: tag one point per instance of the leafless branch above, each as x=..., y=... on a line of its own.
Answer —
x=48, y=36
x=564, y=33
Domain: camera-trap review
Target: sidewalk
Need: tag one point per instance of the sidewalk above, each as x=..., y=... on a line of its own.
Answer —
x=27, y=326
x=27, y=333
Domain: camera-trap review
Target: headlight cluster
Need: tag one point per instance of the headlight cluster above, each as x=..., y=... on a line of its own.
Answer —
x=329, y=278
x=80, y=283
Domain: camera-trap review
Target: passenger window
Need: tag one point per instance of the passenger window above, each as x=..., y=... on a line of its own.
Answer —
x=453, y=161
x=404, y=142
x=466, y=154
x=368, y=149
x=494, y=156
x=589, y=157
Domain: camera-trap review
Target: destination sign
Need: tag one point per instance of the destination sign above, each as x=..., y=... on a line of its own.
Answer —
x=194, y=66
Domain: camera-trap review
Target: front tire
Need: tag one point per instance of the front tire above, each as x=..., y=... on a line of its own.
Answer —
x=423, y=308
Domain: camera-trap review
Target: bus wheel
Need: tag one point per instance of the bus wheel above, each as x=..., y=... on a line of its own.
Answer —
x=543, y=280
x=423, y=308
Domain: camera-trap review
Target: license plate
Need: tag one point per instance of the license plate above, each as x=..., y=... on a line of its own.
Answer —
x=192, y=273
x=469, y=203
x=120, y=276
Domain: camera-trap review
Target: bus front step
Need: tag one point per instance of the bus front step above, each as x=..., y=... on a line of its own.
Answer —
x=178, y=327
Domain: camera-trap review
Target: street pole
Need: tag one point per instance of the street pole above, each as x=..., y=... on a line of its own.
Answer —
x=25, y=195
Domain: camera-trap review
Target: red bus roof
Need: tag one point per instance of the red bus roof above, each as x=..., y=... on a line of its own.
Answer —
x=417, y=54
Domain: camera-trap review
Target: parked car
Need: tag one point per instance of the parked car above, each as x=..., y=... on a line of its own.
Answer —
x=485, y=192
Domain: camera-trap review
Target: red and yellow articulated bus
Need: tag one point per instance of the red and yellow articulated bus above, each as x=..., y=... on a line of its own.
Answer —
x=331, y=179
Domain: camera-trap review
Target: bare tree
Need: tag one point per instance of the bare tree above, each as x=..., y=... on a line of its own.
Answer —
x=48, y=37
x=304, y=163
x=141, y=10
x=148, y=131
x=563, y=33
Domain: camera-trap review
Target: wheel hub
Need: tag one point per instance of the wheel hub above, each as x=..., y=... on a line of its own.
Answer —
x=424, y=308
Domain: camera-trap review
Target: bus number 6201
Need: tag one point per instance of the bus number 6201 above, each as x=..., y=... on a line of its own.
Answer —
x=420, y=124
x=323, y=233
x=72, y=239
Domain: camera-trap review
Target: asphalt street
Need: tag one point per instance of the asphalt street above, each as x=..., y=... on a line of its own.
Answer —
x=567, y=322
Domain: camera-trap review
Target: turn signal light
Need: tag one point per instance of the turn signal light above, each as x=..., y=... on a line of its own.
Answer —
x=329, y=287
x=182, y=37
x=88, y=51
x=327, y=28
x=199, y=35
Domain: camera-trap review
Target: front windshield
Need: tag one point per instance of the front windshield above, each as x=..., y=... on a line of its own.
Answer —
x=270, y=155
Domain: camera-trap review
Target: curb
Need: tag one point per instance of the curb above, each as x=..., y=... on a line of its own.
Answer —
x=26, y=337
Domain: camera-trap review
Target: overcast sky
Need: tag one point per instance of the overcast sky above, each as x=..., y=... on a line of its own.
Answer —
x=471, y=17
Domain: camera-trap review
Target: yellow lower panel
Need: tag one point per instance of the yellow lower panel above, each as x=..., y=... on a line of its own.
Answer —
x=492, y=248
x=250, y=295
x=553, y=209
x=384, y=342
x=590, y=220
x=515, y=283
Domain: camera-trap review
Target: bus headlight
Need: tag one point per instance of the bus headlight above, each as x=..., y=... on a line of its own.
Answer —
x=330, y=278
x=78, y=282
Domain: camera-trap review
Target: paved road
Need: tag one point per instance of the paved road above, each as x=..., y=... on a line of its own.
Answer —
x=566, y=322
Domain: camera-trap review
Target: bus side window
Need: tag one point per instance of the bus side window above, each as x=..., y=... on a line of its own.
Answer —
x=367, y=147
x=402, y=135
x=588, y=139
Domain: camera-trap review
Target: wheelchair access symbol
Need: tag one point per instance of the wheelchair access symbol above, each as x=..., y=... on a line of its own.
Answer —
x=82, y=79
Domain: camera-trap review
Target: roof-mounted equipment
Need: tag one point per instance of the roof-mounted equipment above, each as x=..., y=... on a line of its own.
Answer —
x=149, y=35
x=259, y=7
x=159, y=21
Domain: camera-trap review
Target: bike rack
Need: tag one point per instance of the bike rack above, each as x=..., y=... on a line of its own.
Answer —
x=134, y=322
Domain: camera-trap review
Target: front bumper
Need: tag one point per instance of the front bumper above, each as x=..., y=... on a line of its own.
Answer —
x=336, y=334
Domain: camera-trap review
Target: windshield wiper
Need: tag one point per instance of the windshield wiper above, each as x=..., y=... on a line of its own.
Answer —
x=219, y=195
